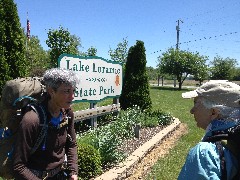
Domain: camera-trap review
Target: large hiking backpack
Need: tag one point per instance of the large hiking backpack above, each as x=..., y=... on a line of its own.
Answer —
x=230, y=139
x=18, y=96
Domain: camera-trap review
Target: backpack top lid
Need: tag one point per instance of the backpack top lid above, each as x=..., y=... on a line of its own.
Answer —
x=19, y=87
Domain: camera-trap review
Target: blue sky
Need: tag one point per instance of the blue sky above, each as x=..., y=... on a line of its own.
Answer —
x=211, y=27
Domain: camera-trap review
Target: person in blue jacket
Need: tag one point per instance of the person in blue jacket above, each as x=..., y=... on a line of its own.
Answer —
x=216, y=107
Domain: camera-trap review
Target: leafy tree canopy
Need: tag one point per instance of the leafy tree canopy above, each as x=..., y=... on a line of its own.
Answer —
x=223, y=68
x=92, y=51
x=181, y=63
x=38, y=58
x=121, y=52
x=61, y=41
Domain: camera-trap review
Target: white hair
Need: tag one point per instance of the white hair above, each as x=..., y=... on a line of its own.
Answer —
x=56, y=76
x=226, y=113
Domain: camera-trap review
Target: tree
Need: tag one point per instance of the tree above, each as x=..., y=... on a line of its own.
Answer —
x=180, y=64
x=12, y=46
x=91, y=51
x=237, y=74
x=200, y=71
x=61, y=41
x=135, y=89
x=201, y=74
x=152, y=73
x=223, y=68
x=38, y=58
x=120, y=53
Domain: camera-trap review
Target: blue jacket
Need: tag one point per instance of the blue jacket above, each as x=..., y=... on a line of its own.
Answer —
x=203, y=160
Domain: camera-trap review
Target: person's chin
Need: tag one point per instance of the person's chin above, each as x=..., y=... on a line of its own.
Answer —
x=67, y=105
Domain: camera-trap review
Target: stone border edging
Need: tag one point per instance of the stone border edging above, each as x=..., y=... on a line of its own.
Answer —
x=120, y=171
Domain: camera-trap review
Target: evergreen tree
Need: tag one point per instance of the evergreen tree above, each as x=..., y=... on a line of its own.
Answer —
x=135, y=89
x=4, y=69
x=12, y=46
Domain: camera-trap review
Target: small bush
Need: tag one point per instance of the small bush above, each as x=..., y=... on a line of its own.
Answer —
x=89, y=161
x=163, y=117
x=105, y=140
x=150, y=121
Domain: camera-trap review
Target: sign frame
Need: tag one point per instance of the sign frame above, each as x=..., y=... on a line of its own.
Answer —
x=80, y=72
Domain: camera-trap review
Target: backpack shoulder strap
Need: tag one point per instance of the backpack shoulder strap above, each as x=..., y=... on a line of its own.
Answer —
x=229, y=141
x=222, y=160
x=39, y=109
x=234, y=149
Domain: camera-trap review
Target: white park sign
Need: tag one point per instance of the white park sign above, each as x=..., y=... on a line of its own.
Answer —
x=99, y=78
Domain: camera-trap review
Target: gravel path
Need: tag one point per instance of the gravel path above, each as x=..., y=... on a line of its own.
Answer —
x=145, y=134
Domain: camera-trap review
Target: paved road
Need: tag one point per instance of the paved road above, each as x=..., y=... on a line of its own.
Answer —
x=171, y=85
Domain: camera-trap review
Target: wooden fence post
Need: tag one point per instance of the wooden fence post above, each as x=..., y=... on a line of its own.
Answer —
x=94, y=119
x=115, y=101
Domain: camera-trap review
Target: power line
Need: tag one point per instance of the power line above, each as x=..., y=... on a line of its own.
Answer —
x=204, y=38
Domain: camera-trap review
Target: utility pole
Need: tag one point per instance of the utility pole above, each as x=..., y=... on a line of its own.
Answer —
x=178, y=29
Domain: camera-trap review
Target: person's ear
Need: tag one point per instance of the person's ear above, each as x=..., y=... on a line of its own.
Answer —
x=215, y=113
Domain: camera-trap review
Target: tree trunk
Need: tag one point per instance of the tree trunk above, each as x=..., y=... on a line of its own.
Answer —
x=180, y=85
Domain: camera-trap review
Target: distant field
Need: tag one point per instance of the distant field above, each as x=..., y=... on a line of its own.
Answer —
x=185, y=83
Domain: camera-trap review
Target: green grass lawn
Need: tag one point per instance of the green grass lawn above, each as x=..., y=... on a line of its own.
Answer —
x=86, y=105
x=170, y=100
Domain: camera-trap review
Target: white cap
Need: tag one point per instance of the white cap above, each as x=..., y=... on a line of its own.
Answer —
x=221, y=92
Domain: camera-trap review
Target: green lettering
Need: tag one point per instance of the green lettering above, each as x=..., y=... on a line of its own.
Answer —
x=101, y=90
x=75, y=67
x=94, y=68
x=87, y=68
x=68, y=64
x=81, y=67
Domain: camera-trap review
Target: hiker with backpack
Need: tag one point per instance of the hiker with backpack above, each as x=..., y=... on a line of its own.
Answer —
x=58, y=139
x=216, y=109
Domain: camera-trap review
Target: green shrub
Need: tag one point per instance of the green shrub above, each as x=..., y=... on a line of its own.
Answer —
x=135, y=115
x=89, y=161
x=106, y=140
x=149, y=121
x=163, y=117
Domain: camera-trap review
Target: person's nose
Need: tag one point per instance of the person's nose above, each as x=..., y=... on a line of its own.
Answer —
x=71, y=96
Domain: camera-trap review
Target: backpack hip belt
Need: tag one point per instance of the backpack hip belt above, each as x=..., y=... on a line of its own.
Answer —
x=48, y=173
